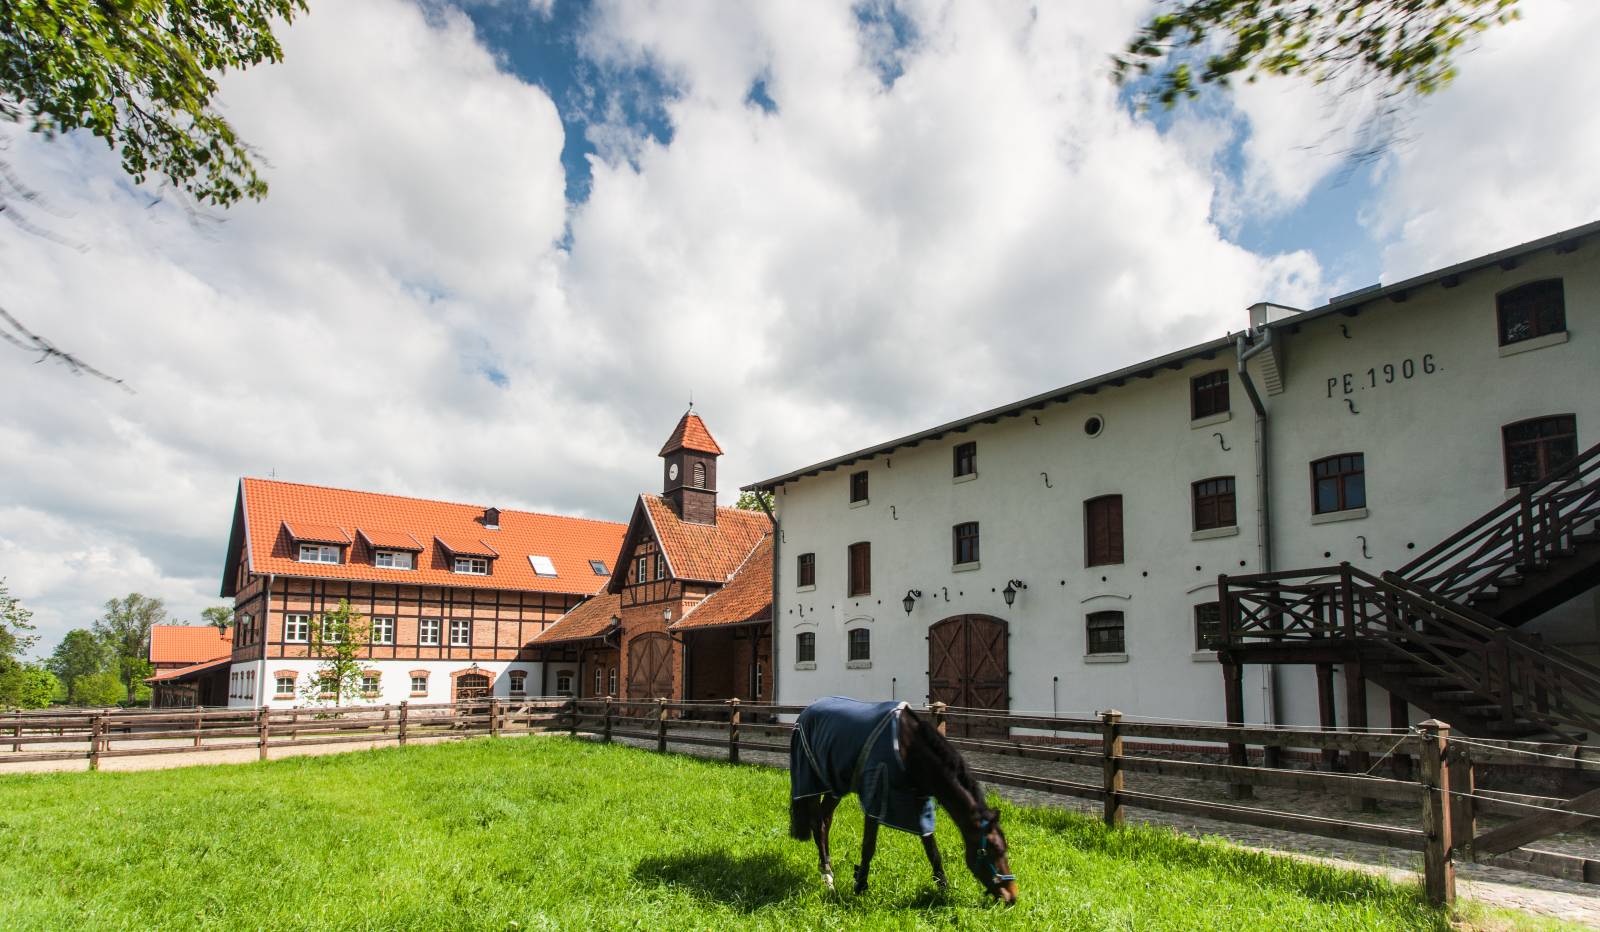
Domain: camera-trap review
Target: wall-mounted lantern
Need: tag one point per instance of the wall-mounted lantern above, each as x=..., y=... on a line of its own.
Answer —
x=910, y=601
x=1010, y=591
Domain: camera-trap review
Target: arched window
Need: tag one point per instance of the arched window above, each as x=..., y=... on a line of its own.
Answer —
x=611, y=682
x=699, y=475
x=519, y=682
x=564, y=683
x=759, y=682
x=597, y=672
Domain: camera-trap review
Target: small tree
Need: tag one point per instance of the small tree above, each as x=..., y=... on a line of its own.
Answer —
x=36, y=687
x=752, y=501
x=96, y=689
x=340, y=641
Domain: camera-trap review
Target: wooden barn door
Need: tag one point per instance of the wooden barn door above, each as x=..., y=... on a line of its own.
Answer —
x=650, y=667
x=471, y=686
x=968, y=668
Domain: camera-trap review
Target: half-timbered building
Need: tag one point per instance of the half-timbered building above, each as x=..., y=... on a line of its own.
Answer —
x=190, y=665
x=453, y=594
x=686, y=614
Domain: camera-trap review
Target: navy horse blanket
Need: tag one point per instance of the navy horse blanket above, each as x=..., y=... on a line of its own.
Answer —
x=842, y=746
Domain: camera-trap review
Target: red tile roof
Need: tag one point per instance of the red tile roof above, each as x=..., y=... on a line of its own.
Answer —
x=747, y=598
x=316, y=533
x=570, y=543
x=188, y=643
x=691, y=434
x=466, y=546
x=380, y=539
x=182, y=672
x=588, y=619
x=705, y=552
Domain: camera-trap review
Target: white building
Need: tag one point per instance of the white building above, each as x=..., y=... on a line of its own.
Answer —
x=1368, y=430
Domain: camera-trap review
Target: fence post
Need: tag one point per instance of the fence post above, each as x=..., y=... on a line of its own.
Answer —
x=605, y=726
x=1439, y=870
x=263, y=731
x=198, y=727
x=1463, y=809
x=661, y=727
x=401, y=728
x=572, y=724
x=494, y=718
x=97, y=730
x=1111, y=752
x=733, y=730
x=939, y=710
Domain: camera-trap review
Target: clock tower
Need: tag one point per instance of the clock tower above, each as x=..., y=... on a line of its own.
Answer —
x=689, y=471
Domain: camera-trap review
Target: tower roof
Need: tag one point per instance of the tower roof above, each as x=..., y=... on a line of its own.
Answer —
x=691, y=434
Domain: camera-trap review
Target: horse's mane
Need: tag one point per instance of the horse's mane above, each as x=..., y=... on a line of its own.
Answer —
x=945, y=755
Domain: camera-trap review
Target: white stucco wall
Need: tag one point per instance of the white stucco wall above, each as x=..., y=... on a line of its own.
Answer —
x=394, y=680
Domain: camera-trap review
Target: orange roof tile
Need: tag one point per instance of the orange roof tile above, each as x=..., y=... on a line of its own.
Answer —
x=268, y=506
x=466, y=546
x=747, y=598
x=705, y=552
x=181, y=672
x=316, y=533
x=188, y=643
x=691, y=434
x=588, y=619
x=380, y=539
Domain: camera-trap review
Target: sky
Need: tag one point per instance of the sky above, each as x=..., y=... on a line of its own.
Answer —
x=508, y=240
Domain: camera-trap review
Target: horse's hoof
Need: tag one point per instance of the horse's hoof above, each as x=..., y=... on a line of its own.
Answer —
x=827, y=881
x=860, y=888
x=941, y=881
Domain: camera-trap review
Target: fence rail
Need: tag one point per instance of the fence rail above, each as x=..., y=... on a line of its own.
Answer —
x=1442, y=784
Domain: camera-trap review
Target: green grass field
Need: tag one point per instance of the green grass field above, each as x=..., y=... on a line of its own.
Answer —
x=554, y=833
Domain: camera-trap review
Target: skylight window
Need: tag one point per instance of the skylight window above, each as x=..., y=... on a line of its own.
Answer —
x=542, y=566
x=599, y=567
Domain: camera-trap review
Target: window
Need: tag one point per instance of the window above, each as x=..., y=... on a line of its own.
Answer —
x=1532, y=310
x=699, y=475
x=519, y=682
x=1208, y=626
x=597, y=681
x=1208, y=394
x=1102, y=530
x=611, y=682
x=805, y=647
x=564, y=683
x=860, y=644
x=383, y=630
x=369, y=684
x=477, y=566
x=642, y=570
x=966, y=459
x=419, y=684
x=661, y=566
x=1539, y=448
x=966, y=539
x=393, y=559
x=428, y=631
x=860, y=574
x=1338, y=483
x=330, y=632
x=297, y=628
x=460, y=632
x=542, y=566
x=806, y=571
x=858, y=486
x=319, y=553
x=599, y=567
x=285, y=685
x=759, y=681
x=1105, y=633
x=1214, y=503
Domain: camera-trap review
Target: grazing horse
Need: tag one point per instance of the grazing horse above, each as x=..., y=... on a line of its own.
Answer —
x=897, y=764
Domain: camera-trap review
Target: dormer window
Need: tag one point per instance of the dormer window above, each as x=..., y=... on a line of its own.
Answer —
x=319, y=553
x=599, y=568
x=475, y=566
x=491, y=519
x=394, y=560
x=542, y=566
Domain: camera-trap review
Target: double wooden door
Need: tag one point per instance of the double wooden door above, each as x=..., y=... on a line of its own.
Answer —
x=969, y=668
x=650, y=667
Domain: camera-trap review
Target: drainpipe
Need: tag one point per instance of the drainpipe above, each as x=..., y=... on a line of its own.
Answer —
x=773, y=624
x=266, y=642
x=1269, y=683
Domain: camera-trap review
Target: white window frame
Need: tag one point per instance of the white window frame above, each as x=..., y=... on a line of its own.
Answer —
x=281, y=689
x=419, y=679
x=428, y=632
x=462, y=627
x=564, y=677
x=383, y=630
x=611, y=681
x=661, y=566
x=641, y=571
x=297, y=623
x=328, y=638
x=471, y=566
x=519, y=682
x=377, y=683
x=394, y=559
x=319, y=553
x=597, y=681
x=542, y=566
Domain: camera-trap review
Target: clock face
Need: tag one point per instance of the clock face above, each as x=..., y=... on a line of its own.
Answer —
x=672, y=471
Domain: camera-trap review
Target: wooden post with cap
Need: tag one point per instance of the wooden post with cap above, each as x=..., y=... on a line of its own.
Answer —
x=1111, y=752
x=661, y=726
x=405, y=708
x=263, y=731
x=1439, y=871
x=733, y=730
x=940, y=710
x=605, y=726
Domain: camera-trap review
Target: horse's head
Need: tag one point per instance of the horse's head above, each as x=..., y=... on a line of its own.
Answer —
x=986, y=856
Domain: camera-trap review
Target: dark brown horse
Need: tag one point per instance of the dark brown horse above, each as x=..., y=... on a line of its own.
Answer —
x=896, y=762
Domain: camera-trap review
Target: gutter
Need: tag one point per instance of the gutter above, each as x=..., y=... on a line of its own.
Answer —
x=776, y=539
x=1263, y=438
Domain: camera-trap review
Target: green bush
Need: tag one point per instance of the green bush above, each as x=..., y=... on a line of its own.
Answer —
x=97, y=689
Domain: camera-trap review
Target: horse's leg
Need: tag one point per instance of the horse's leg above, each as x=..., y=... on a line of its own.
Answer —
x=822, y=817
x=931, y=847
x=869, y=846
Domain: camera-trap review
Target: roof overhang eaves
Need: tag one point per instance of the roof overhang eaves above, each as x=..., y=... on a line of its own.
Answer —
x=1146, y=368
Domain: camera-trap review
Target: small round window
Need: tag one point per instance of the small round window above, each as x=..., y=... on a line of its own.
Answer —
x=1094, y=425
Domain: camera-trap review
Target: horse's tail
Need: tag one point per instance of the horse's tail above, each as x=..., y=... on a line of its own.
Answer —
x=800, y=819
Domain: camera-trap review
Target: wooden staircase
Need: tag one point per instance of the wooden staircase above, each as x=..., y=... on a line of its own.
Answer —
x=1441, y=631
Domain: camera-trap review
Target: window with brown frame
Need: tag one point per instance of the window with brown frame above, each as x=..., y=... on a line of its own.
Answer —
x=1538, y=448
x=860, y=574
x=858, y=486
x=1105, y=634
x=860, y=644
x=1208, y=394
x=1102, y=530
x=1339, y=483
x=1214, y=504
x=806, y=569
x=805, y=647
x=699, y=475
x=1532, y=310
x=966, y=459
x=966, y=542
x=1208, y=626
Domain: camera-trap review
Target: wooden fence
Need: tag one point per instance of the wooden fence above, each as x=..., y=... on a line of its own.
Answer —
x=1441, y=781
